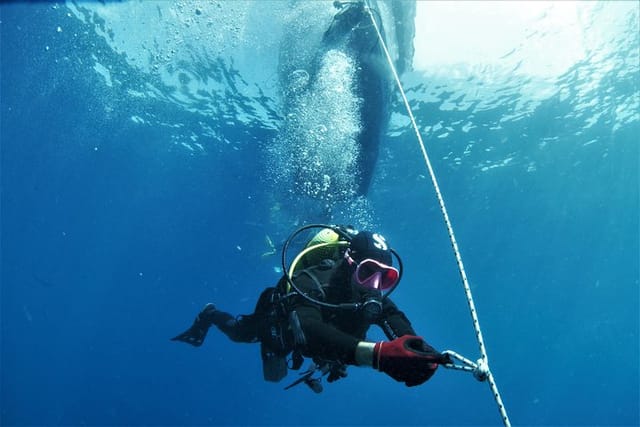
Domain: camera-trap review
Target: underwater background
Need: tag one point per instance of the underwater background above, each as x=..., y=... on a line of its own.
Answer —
x=144, y=174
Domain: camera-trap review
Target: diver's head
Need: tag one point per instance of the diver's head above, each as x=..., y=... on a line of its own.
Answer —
x=371, y=262
x=372, y=274
x=366, y=244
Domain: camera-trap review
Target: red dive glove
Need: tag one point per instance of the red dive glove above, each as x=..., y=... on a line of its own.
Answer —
x=408, y=359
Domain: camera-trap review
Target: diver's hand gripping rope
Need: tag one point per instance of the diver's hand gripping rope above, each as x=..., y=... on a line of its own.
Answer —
x=480, y=369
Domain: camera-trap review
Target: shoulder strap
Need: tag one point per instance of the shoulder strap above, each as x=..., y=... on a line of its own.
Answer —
x=314, y=279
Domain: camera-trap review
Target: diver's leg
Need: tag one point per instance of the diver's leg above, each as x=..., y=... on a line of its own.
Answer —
x=238, y=330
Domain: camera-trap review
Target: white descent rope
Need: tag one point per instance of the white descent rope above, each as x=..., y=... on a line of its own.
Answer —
x=480, y=369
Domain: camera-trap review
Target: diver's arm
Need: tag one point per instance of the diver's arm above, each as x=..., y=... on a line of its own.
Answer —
x=324, y=340
x=405, y=357
x=394, y=324
x=393, y=321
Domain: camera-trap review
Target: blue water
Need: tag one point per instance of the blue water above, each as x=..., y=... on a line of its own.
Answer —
x=138, y=183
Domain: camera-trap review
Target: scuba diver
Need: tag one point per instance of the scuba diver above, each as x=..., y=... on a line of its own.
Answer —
x=332, y=292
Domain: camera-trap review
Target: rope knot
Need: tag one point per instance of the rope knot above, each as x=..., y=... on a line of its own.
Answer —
x=481, y=371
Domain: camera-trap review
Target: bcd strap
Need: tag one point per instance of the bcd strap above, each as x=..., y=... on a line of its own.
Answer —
x=296, y=328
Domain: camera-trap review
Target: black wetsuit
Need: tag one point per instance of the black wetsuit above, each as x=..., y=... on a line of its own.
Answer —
x=330, y=334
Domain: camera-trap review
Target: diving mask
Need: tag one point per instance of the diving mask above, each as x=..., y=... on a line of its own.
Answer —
x=373, y=274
